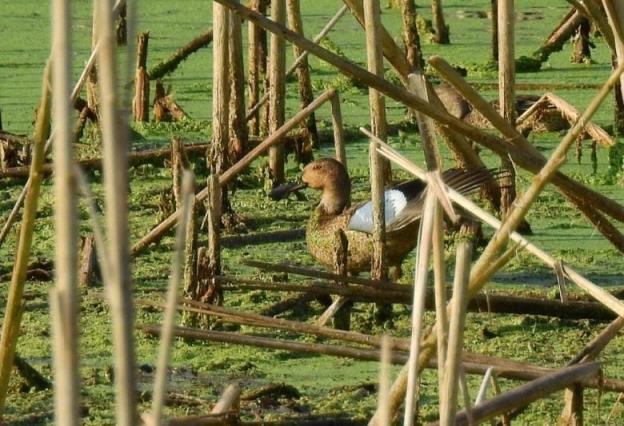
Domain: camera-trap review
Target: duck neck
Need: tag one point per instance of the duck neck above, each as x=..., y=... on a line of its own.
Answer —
x=334, y=200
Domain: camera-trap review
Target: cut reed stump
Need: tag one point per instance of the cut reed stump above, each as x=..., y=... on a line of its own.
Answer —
x=254, y=55
x=141, y=81
x=560, y=35
x=239, y=140
x=277, y=90
x=179, y=163
x=87, y=262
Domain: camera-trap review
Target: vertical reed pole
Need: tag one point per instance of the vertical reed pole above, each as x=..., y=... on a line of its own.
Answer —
x=91, y=84
x=214, y=232
x=64, y=295
x=448, y=405
x=238, y=123
x=254, y=34
x=277, y=90
x=220, y=89
x=494, y=19
x=141, y=81
x=441, y=35
x=303, y=71
x=506, y=92
x=418, y=307
x=374, y=51
x=379, y=167
x=166, y=334
x=115, y=149
x=383, y=404
x=440, y=293
x=339, y=143
x=15, y=306
x=413, y=52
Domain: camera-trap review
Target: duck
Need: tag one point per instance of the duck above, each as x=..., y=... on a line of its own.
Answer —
x=403, y=210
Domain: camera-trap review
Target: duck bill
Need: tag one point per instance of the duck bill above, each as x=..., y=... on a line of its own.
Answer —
x=282, y=191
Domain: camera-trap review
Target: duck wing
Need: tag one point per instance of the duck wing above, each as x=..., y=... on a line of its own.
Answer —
x=405, y=202
x=362, y=216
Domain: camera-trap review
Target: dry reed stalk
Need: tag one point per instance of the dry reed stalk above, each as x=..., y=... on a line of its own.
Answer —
x=157, y=232
x=384, y=381
x=441, y=35
x=238, y=136
x=592, y=349
x=115, y=149
x=482, y=394
x=411, y=39
x=12, y=217
x=529, y=392
x=229, y=401
x=391, y=51
x=277, y=90
x=615, y=16
x=160, y=379
x=64, y=296
x=506, y=92
x=218, y=156
x=420, y=286
x=15, y=307
x=455, y=347
x=418, y=85
x=255, y=107
x=303, y=71
x=338, y=128
x=440, y=292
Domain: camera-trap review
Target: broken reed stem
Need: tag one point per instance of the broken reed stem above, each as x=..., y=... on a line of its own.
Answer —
x=157, y=232
x=230, y=400
x=15, y=307
x=115, y=149
x=64, y=296
x=160, y=379
x=12, y=217
x=458, y=304
x=418, y=310
x=383, y=405
x=482, y=394
x=253, y=110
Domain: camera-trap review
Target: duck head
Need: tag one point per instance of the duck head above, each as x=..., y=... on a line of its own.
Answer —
x=327, y=175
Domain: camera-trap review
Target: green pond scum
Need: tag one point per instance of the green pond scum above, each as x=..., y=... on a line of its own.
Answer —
x=199, y=371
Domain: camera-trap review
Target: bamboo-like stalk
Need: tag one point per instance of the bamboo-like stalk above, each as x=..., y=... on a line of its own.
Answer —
x=420, y=286
x=254, y=35
x=157, y=232
x=592, y=349
x=14, y=308
x=418, y=85
x=440, y=293
x=384, y=381
x=160, y=379
x=506, y=92
x=411, y=39
x=277, y=90
x=615, y=16
x=238, y=134
x=253, y=110
x=339, y=142
x=115, y=149
x=218, y=156
x=64, y=296
x=441, y=35
x=448, y=403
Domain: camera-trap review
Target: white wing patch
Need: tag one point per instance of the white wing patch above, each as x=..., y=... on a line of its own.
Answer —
x=362, y=219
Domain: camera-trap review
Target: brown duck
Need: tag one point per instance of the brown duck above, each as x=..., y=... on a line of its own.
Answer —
x=403, y=210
